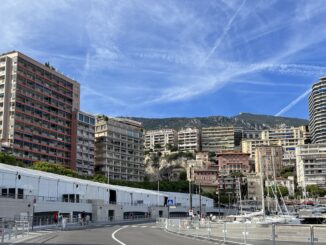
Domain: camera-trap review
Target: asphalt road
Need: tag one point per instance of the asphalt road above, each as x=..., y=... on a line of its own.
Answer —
x=142, y=234
x=136, y=234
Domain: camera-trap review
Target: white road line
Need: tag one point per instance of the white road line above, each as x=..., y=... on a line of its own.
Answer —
x=144, y=226
x=115, y=239
x=134, y=226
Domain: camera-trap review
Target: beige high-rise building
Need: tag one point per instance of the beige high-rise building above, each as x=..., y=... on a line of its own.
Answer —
x=189, y=139
x=85, y=143
x=160, y=139
x=119, y=148
x=250, y=145
x=268, y=160
x=288, y=138
x=38, y=108
x=217, y=139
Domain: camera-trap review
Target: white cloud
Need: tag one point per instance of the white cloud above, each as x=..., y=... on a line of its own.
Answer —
x=293, y=103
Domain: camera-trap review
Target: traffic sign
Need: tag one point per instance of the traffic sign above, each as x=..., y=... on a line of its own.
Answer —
x=170, y=202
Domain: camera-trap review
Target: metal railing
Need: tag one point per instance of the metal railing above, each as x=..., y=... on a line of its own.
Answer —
x=246, y=233
x=11, y=229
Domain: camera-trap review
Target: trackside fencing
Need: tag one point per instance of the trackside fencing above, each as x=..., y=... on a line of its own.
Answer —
x=246, y=233
x=10, y=229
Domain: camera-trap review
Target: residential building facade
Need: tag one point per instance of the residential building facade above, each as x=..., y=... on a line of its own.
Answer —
x=233, y=162
x=119, y=148
x=254, y=187
x=160, y=139
x=311, y=165
x=217, y=139
x=268, y=160
x=250, y=145
x=288, y=138
x=317, y=111
x=251, y=134
x=189, y=139
x=38, y=107
x=85, y=143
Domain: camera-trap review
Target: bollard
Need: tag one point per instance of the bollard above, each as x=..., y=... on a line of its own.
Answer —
x=312, y=235
x=3, y=233
x=273, y=234
x=15, y=230
x=23, y=230
x=10, y=230
x=224, y=232
x=245, y=234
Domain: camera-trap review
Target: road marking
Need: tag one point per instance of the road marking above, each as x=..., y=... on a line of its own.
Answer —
x=115, y=239
x=144, y=226
x=134, y=226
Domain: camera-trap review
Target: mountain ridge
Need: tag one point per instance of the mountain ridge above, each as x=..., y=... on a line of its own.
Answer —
x=244, y=120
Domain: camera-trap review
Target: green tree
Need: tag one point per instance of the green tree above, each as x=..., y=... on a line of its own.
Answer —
x=315, y=191
x=157, y=146
x=183, y=175
x=287, y=171
x=278, y=190
x=54, y=168
x=10, y=159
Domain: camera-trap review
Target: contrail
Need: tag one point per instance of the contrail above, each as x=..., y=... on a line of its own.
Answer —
x=293, y=103
x=225, y=31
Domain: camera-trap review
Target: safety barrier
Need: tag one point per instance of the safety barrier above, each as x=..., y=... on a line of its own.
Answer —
x=246, y=233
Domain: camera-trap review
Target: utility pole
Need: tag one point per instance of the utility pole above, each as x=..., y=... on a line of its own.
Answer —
x=190, y=189
x=158, y=189
x=200, y=199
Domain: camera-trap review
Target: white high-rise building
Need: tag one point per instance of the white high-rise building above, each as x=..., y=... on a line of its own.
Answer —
x=311, y=165
x=317, y=111
x=160, y=139
x=189, y=139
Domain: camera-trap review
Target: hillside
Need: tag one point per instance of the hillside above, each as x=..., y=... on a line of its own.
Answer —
x=245, y=120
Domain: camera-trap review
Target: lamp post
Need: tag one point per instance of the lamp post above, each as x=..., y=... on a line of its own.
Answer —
x=107, y=169
x=190, y=188
x=200, y=199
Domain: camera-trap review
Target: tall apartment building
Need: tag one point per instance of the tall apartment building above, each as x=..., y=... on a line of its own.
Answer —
x=250, y=145
x=251, y=134
x=119, y=148
x=288, y=138
x=311, y=165
x=160, y=139
x=317, y=111
x=85, y=143
x=189, y=139
x=38, y=107
x=217, y=139
x=268, y=160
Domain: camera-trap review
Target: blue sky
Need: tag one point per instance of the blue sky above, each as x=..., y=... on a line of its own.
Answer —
x=167, y=58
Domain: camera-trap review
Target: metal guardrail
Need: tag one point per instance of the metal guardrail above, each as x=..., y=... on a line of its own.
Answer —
x=245, y=233
x=10, y=229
